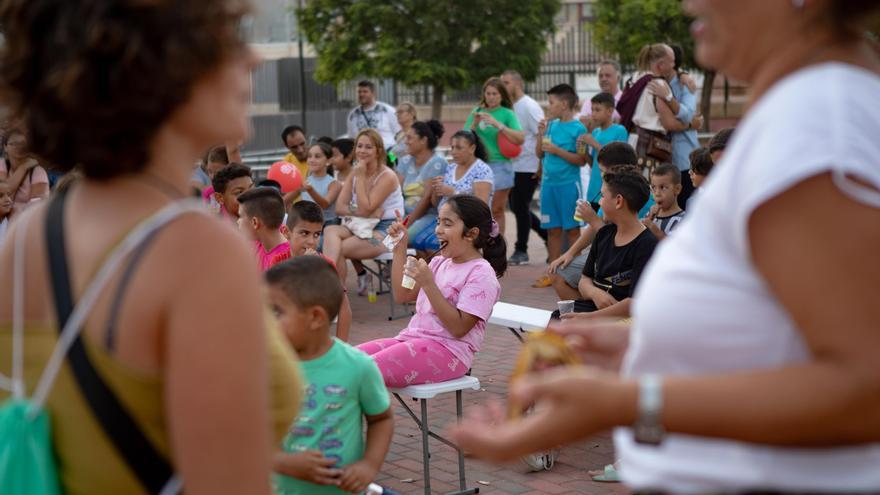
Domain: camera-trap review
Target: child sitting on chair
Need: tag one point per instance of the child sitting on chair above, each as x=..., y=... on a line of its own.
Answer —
x=620, y=250
x=454, y=296
x=325, y=451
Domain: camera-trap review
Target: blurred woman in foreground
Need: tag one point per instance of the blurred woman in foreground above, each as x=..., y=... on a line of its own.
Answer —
x=751, y=364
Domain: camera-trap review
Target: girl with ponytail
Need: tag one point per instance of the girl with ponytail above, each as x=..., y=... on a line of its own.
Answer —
x=454, y=296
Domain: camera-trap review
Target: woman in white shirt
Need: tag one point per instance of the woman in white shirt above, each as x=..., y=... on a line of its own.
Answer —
x=756, y=328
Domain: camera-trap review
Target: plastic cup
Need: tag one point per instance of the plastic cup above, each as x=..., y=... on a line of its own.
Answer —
x=408, y=282
x=577, y=216
x=391, y=241
x=565, y=306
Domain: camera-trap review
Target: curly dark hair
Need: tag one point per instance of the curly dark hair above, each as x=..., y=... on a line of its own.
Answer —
x=95, y=79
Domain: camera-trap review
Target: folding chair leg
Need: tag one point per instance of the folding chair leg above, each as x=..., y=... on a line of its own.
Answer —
x=516, y=334
x=461, y=474
x=380, y=265
x=426, y=433
x=426, y=454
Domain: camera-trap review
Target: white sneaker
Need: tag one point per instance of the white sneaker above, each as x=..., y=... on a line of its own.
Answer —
x=535, y=462
x=541, y=461
x=363, y=283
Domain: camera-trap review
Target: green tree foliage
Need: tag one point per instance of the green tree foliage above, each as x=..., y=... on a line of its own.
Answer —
x=447, y=44
x=623, y=27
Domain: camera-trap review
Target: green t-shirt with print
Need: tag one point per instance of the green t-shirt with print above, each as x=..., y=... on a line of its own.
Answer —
x=489, y=134
x=341, y=387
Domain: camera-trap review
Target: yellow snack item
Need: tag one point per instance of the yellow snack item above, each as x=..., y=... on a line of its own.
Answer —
x=540, y=351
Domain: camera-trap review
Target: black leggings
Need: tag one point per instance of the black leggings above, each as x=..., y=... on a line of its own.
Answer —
x=520, y=199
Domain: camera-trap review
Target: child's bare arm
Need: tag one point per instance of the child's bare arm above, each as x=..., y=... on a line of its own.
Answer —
x=343, y=322
x=323, y=202
x=356, y=476
x=456, y=321
x=650, y=225
x=618, y=309
x=310, y=466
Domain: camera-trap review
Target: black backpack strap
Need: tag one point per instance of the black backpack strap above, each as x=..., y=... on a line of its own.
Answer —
x=149, y=466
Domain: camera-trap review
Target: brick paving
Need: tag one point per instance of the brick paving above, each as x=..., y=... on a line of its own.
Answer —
x=492, y=366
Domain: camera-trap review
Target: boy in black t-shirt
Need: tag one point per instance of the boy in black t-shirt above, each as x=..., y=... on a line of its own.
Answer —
x=620, y=250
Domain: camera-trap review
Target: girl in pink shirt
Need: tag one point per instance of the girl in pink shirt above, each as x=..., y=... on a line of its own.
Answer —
x=454, y=296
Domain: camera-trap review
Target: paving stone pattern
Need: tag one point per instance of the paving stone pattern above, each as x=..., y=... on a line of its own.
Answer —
x=493, y=367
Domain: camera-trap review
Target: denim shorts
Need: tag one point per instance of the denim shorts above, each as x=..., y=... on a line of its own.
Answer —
x=380, y=231
x=426, y=238
x=503, y=175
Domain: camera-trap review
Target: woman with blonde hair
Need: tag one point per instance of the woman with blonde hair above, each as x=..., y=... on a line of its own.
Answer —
x=747, y=368
x=369, y=203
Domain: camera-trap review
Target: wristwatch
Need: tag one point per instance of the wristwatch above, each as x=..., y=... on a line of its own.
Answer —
x=648, y=429
x=668, y=98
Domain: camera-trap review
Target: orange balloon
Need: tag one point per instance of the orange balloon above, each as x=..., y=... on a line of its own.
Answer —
x=286, y=174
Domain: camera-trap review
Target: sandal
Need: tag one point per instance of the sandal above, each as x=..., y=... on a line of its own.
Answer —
x=610, y=475
x=543, y=281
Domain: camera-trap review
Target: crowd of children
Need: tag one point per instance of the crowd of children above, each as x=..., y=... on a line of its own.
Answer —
x=618, y=221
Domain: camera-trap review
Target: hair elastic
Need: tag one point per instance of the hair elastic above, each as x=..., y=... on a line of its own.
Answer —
x=493, y=233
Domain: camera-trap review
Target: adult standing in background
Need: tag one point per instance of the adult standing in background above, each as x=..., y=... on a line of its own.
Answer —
x=406, y=117
x=748, y=369
x=643, y=113
x=608, y=74
x=526, y=167
x=680, y=120
x=373, y=114
x=493, y=117
x=294, y=138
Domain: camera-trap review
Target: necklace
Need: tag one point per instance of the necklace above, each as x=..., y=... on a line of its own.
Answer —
x=163, y=186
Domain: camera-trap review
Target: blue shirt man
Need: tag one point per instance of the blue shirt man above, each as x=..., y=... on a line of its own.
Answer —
x=683, y=142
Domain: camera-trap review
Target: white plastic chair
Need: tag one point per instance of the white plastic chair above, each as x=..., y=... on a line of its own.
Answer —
x=428, y=391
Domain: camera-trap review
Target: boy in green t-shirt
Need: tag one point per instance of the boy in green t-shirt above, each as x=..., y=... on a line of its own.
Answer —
x=324, y=451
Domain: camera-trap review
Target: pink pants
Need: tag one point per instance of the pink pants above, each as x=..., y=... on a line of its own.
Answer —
x=413, y=361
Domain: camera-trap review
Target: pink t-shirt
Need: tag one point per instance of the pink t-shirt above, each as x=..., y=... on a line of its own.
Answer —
x=278, y=254
x=473, y=288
